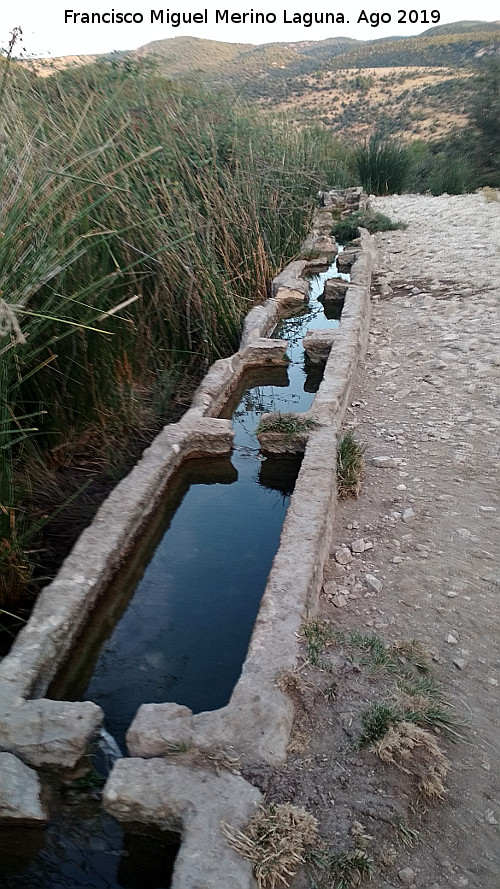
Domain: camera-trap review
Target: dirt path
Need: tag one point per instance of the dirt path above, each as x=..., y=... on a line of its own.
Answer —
x=431, y=398
x=425, y=406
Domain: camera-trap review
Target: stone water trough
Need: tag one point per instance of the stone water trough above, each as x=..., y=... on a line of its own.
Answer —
x=149, y=786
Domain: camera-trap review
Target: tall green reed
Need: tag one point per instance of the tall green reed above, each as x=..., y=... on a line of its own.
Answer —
x=120, y=189
x=383, y=166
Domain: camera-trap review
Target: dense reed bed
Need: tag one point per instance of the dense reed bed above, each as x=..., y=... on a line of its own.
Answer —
x=139, y=221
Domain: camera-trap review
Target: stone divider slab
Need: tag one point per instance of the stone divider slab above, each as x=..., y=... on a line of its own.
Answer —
x=20, y=792
x=290, y=288
x=176, y=798
x=334, y=292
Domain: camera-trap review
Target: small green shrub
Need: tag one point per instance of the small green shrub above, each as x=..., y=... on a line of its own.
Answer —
x=91, y=781
x=383, y=166
x=411, y=652
x=317, y=634
x=350, y=463
x=376, y=720
x=421, y=701
x=287, y=424
x=338, y=870
x=374, y=652
x=346, y=230
x=407, y=834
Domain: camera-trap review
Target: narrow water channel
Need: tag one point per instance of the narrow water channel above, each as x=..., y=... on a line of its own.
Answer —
x=176, y=622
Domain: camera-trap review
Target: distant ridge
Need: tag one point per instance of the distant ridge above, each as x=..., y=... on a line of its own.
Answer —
x=184, y=55
x=236, y=63
x=268, y=69
x=464, y=27
x=260, y=69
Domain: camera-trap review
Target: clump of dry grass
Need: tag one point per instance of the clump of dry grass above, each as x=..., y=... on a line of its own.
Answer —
x=274, y=840
x=298, y=743
x=287, y=424
x=406, y=702
x=350, y=465
x=412, y=650
x=415, y=751
x=290, y=682
x=490, y=195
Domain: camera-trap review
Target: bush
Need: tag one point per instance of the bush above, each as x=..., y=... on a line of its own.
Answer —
x=485, y=117
x=350, y=464
x=346, y=229
x=383, y=166
x=451, y=175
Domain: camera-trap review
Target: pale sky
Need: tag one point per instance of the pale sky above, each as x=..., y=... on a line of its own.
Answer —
x=45, y=31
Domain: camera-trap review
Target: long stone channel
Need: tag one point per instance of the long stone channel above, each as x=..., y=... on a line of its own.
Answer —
x=181, y=631
x=148, y=787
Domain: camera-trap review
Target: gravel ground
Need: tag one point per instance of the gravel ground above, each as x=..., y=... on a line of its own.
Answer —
x=427, y=401
x=425, y=407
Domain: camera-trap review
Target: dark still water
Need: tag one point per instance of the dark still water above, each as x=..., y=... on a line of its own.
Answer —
x=81, y=848
x=189, y=604
x=173, y=626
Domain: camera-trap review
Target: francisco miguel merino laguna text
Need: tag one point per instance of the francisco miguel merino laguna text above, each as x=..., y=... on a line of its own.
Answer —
x=219, y=16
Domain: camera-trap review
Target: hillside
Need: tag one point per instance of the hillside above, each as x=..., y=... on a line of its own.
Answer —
x=413, y=102
x=241, y=65
x=457, y=49
x=418, y=87
x=463, y=27
x=276, y=63
x=179, y=56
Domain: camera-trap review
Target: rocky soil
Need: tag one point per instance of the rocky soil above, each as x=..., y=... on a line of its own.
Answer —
x=416, y=556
